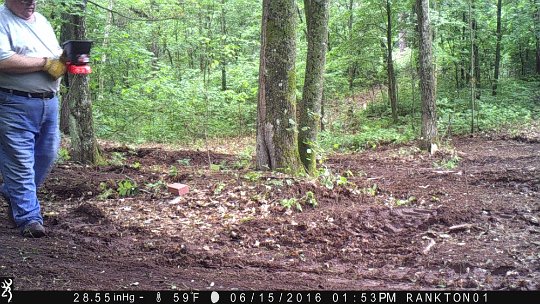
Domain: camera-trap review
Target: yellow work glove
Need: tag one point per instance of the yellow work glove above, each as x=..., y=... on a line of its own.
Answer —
x=55, y=67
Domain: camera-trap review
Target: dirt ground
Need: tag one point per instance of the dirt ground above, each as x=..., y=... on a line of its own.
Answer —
x=390, y=218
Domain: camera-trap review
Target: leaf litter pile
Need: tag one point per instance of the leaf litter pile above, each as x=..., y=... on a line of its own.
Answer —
x=389, y=218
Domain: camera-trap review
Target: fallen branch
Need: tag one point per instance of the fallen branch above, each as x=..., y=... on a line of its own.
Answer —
x=444, y=171
x=429, y=246
x=460, y=227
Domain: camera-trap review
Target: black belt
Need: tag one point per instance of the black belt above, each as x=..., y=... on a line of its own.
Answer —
x=44, y=95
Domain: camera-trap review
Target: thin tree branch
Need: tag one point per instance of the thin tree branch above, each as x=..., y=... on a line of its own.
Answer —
x=132, y=18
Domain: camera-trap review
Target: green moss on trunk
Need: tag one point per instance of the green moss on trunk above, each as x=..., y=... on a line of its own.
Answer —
x=309, y=110
x=280, y=126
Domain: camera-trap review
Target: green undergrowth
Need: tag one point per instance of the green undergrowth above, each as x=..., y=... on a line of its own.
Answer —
x=516, y=105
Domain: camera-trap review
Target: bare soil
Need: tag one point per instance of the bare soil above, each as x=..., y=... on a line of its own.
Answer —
x=464, y=218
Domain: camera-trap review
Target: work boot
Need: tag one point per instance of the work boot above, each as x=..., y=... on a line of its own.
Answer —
x=33, y=230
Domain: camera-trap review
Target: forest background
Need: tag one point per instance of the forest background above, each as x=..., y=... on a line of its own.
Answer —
x=185, y=74
x=187, y=71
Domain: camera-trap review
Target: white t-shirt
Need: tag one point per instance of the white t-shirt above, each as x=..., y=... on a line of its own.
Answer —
x=29, y=38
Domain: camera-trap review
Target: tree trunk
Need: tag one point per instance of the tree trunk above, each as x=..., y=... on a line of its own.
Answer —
x=537, y=31
x=477, y=75
x=263, y=154
x=352, y=65
x=456, y=75
x=538, y=55
x=473, y=58
x=105, y=44
x=81, y=124
x=277, y=138
x=323, y=105
x=465, y=76
x=427, y=77
x=497, y=49
x=309, y=110
x=402, y=37
x=83, y=142
x=66, y=33
x=224, y=42
x=390, y=63
x=521, y=60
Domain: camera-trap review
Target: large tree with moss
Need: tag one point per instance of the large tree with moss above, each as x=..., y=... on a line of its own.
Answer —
x=277, y=132
x=309, y=110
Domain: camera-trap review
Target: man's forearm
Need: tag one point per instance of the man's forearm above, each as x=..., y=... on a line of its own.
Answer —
x=21, y=64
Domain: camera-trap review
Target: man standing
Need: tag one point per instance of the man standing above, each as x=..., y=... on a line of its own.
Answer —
x=30, y=74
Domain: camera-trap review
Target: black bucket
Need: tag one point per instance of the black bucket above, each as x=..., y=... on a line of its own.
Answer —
x=77, y=51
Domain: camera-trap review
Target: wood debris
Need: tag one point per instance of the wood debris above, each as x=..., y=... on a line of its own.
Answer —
x=429, y=246
x=460, y=227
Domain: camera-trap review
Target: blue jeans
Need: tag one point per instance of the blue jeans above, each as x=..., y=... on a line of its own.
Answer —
x=29, y=142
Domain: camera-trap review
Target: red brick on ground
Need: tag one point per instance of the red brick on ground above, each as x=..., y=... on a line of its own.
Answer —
x=178, y=189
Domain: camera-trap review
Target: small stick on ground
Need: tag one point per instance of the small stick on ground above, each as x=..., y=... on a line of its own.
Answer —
x=429, y=246
x=460, y=227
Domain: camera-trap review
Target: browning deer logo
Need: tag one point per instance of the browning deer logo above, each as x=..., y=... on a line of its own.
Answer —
x=6, y=286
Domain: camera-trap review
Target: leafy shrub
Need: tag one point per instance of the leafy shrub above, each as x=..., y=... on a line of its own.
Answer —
x=127, y=188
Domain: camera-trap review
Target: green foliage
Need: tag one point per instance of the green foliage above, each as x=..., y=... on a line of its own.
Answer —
x=157, y=75
x=447, y=163
x=127, y=188
x=105, y=191
x=162, y=80
x=136, y=165
x=219, y=188
x=513, y=106
x=63, y=155
x=156, y=187
x=311, y=199
x=244, y=160
x=184, y=161
x=253, y=176
x=342, y=181
x=371, y=191
x=117, y=159
x=215, y=167
x=290, y=203
x=369, y=136
x=308, y=199
x=173, y=171
x=326, y=178
x=276, y=182
x=330, y=180
x=400, y=202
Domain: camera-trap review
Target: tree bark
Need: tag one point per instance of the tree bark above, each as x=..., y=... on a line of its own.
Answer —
x=224, y=42
x=83, y=142
x=262, y=153
x=279, y=126
x=352, y=65
x=537, y=31
x=427, y=77
x=473, y=64
x=497, y=49
x=476, y=53
x=105, y=44
x=66, y=33
x=538, y=55
x=465, y=76
x=81, y=124
x=390, y=63
x=309, y=110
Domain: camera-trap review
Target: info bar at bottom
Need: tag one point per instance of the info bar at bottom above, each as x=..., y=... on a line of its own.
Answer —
x=241, y=297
